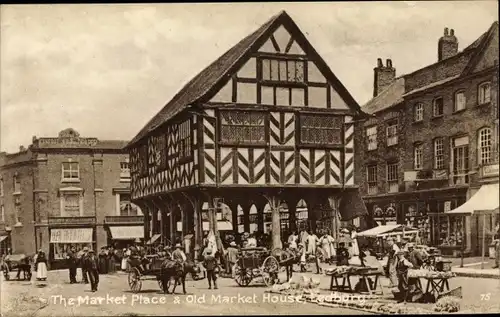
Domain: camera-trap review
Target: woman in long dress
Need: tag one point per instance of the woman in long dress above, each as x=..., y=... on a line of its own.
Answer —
x=41, y=266
x=327, y=245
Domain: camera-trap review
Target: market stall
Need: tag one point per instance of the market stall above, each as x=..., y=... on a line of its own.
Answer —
x=369, y=279
x=374, y=237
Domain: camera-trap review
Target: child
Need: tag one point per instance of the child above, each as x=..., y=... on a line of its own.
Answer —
x=210, y=263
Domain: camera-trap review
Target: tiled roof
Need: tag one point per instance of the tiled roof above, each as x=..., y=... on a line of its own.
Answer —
x=395, y=92
x=204, y=81
x=389, y=97
x=111, y=144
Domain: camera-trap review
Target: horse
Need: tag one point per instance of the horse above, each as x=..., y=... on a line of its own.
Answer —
x=171, y=269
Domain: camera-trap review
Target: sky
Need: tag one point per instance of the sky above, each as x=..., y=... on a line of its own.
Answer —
x=106, y=70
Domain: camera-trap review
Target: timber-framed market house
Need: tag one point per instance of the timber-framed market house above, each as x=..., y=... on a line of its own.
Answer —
x=266, y=123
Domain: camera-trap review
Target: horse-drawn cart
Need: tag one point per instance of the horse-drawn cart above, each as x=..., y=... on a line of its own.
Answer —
x=19, y=262
x=255, y=262
x=151, y=270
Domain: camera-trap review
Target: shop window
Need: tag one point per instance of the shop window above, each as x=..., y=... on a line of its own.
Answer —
x=418, y=156
x=243, y=127
x=437, y=107
x=126, y=207
x=320, y=129
x=483, y=93
x=460, y=101
x=460, y=160
x=392, y=133
x=392, y=177
x=418, y=112
x=125, y=171
x=371, y=179
x=70, y=172
x=371, y=138
x=438, y=153
x=61, y=250
x=485, y=144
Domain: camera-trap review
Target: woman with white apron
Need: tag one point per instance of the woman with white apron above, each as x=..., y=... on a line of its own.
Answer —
x=327, y=246
x=41, y=266
x=126, y=254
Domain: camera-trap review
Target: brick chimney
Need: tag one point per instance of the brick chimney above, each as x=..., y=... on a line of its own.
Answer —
x=447, y=45
x=383, y=76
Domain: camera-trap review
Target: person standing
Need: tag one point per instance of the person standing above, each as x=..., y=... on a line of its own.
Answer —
x=496, y=238
x=112, y=257
x=41, y=266
x=303, y=237
x=232, y=256
x=102, y=259
x=392, y=261
x=402, y=266
x=326, y=242
x=72, y=265
x=292, y=240
x=312, y=244
x=252, y=242
x=188, y=238
x=83, y=256
x=92, y=267
x=210, y=264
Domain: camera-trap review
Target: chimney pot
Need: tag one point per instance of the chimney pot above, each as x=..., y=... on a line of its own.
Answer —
x=389, y=63
x=383, y=76
x=379, y=62
x=445, y=31
x=452, y=32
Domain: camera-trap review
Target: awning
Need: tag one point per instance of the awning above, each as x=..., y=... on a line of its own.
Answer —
x=127, y=232
x=80, y=235
x=2, y=238
x=221, y=226
x=154, y=238
x=387, y=230
x=484, y=200
x=352, y=205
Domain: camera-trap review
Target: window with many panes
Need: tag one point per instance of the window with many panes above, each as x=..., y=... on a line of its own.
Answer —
x=392, y=132
x=485, y=144
x=371, y=138
x=126, y=207
x=185, y=143
x=418, y=156
x=460, y=160
x=438, y=153
x=437, y=107
x=125, y=170
x=142, y=160
x=276, y=70
x=418, y=112
x=371, y=179
x=320, y=129
x=460, y=101
x=483, y=93
x=70, y=171
x=158, y=151
x=243, y=127
x=71, y=204
x=392, y=177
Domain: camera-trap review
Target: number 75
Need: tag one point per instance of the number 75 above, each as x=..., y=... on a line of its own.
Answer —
x=485, y=296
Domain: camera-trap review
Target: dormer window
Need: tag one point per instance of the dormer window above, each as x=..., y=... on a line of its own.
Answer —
x=483, y=93
x=459, y=104
x=70, y=172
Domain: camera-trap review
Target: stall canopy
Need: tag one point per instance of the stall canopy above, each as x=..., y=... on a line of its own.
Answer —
x=484, y=200
x=127, y=232
x=387, y=230
x=80, y=235
x=2, y=238
x=154, y=238
x=352, y=205
x=222, y=225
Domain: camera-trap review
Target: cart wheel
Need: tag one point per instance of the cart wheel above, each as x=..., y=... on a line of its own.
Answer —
x=270, y=270
x=242, y=276
x=134, y=280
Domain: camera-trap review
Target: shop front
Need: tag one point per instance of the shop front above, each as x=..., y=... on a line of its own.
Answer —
x=62, y=240
x=124, y=236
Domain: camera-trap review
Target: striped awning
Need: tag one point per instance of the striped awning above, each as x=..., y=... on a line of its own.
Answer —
x=127, y=232
x=73, y=235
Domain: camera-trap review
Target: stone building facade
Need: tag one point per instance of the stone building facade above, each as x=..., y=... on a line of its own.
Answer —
x=68, y=191
x=432, y=141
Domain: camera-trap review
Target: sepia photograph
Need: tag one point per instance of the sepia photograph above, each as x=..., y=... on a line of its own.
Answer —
x=260, y=158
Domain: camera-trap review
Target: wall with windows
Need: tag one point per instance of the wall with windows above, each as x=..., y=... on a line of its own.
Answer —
x=448, y=136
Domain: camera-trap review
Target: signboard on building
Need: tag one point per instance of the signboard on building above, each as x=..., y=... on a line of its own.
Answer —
x=82, y=235
x=447, y=206
x=490, y=170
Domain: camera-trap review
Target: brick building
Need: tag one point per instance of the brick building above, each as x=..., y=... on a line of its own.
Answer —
x=67, y=191
x=432, y=141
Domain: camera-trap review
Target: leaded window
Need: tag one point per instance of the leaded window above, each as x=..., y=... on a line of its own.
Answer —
x=243, y=127
x=283, y=70
x=185, y=146
x=142, y=160
x=485, y=145
x=158, y=151
x=320, y=129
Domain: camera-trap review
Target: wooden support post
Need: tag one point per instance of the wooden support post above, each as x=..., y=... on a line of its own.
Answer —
x=234, y=216
x=198, y=225
x=334, y=202
x=274, y=203
x=246, y=218
x=173, y=224
x=147, y=218
x=260, y=217
x=292, y=216
x=484, y=241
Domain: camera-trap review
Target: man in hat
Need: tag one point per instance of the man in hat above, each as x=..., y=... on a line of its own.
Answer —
x=179, y=255
x=342, y=255
x=83, y=256
x=210, y=264
x=392, y=261
x=92, y=265
x=72, y=265
x=414, y=256
x=232, y=256
x=402, y=266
